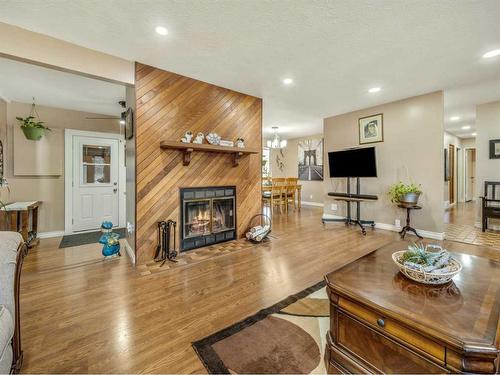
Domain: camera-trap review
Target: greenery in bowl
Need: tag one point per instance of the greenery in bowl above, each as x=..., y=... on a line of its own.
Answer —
x=399, y=190
x=29, y=122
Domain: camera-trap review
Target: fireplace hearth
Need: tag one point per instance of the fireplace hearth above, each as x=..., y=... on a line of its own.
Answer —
x=208, y=216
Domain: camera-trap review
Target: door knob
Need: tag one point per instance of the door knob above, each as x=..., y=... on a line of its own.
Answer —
x=115, y=190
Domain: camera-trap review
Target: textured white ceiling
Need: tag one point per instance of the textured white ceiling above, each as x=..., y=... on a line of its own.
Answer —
x=462, y=102
x=334, y=50
x=21, y=82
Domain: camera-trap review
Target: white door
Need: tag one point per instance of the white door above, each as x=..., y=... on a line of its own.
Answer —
x=95, y=182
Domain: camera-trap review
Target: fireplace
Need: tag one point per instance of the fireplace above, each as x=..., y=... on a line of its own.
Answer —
x=208, y=216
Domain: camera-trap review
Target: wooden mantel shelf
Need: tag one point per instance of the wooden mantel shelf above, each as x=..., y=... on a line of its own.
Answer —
x=188, y=148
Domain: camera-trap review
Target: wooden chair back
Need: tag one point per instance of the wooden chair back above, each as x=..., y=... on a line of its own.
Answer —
x=492, y=190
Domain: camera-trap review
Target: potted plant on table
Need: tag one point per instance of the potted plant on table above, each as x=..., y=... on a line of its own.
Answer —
x=407, y=194
x=33, y=130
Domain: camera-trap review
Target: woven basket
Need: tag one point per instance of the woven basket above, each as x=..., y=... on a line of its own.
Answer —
x=426, y=277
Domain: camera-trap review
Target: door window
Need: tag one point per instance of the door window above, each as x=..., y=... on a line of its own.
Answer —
x=96, y=164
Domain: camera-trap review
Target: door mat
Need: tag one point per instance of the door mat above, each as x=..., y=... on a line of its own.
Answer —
x=286, y=338
x=86, y=238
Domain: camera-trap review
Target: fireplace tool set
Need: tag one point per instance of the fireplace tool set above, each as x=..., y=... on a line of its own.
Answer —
x=166, y=230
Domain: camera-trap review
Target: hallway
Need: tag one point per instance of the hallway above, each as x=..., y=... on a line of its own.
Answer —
x=460, y=226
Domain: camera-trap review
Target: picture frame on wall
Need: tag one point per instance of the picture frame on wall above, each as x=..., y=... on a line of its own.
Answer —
x=371, y=129
x=495, y=149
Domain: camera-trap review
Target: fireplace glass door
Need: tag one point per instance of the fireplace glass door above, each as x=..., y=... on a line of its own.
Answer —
x=223, y=215
x=197, y=218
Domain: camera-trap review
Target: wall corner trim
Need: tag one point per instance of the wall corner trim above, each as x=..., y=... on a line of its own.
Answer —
x=129, y=251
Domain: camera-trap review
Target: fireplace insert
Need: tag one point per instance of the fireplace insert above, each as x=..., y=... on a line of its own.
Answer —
x=208, y=216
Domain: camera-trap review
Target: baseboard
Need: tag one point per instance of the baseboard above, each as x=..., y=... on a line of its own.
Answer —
x=477, y=224
x=57, y=233
x=447, y=205
x=393, y=228
x=129, y=251
x=330, y=216
x=316, y=204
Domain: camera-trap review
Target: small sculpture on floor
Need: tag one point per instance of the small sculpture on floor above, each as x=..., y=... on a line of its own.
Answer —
x=110, y=240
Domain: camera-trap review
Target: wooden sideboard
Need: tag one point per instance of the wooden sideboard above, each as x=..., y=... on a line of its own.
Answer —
x=382, y=322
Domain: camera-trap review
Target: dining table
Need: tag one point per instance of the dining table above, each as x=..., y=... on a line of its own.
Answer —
x=268, y=187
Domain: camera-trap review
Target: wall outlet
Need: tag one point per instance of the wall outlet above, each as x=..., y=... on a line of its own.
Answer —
x=334, y=207
x=397, y=223
x=310, y=197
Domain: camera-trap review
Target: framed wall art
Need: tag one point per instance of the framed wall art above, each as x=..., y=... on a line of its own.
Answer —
x=371, y=129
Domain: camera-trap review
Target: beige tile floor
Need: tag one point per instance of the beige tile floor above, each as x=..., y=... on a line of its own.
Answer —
x=459, y=226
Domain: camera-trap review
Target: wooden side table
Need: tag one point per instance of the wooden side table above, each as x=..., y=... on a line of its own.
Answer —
x=408, y=227
x=21, y=214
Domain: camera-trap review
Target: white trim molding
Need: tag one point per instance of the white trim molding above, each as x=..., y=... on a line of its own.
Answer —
x=57, y=233
x=129, y=250
x=477, y=224
x=424, y=233
x=315, y=204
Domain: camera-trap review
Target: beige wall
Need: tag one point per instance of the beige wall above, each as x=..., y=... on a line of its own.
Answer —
x=312, y=191
x=468, y=142
x=49, y=190
x=413, y=145
x=26, y=45
x=488, y=127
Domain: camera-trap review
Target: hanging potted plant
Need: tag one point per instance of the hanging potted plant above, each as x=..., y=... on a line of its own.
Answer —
x=32, y=127
x=33, y=130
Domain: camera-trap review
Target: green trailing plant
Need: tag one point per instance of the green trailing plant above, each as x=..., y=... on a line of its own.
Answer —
x=399, y=190
x=29, y=122
x=416, y=254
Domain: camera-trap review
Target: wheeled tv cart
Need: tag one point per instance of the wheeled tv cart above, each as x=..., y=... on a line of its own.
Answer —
x=353, y=198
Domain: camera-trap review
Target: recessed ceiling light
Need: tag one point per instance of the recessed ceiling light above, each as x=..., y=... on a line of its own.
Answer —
x=161, y=30
x=492, y=53
x=474, y=134
x=287, y=81
x=454, y=118
x=374, y=90
x=466, y=127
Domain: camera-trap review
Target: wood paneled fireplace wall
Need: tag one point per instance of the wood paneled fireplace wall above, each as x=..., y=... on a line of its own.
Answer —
x=168, y=105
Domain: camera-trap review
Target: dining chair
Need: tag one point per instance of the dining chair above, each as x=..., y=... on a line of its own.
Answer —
x=291, y=191
x=275, y=196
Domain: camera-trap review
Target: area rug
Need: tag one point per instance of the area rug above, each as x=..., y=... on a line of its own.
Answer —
x=286, y=338
x=86, y=238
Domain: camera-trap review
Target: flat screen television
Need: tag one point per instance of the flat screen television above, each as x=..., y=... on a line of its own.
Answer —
x=359, y=162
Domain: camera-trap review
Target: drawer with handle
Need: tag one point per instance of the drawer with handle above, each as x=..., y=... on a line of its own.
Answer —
x=394, y=329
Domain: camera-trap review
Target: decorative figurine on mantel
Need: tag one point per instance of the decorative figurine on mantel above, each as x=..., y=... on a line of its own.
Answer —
x=110, y=240
x=213, y=139
x=240, y=142
x=187, y=137
x=199, y=138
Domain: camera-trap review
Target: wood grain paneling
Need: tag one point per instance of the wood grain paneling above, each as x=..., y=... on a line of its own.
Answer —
x=168, y=105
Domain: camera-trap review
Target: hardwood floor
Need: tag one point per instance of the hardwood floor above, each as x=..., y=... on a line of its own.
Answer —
x=83, y=314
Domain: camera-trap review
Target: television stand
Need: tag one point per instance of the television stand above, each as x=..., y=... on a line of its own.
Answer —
x=353, y=198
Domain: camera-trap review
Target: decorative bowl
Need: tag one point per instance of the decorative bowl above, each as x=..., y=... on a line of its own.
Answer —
x=427, y=277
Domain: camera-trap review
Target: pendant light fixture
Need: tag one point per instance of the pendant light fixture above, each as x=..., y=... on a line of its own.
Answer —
x=276, y=142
